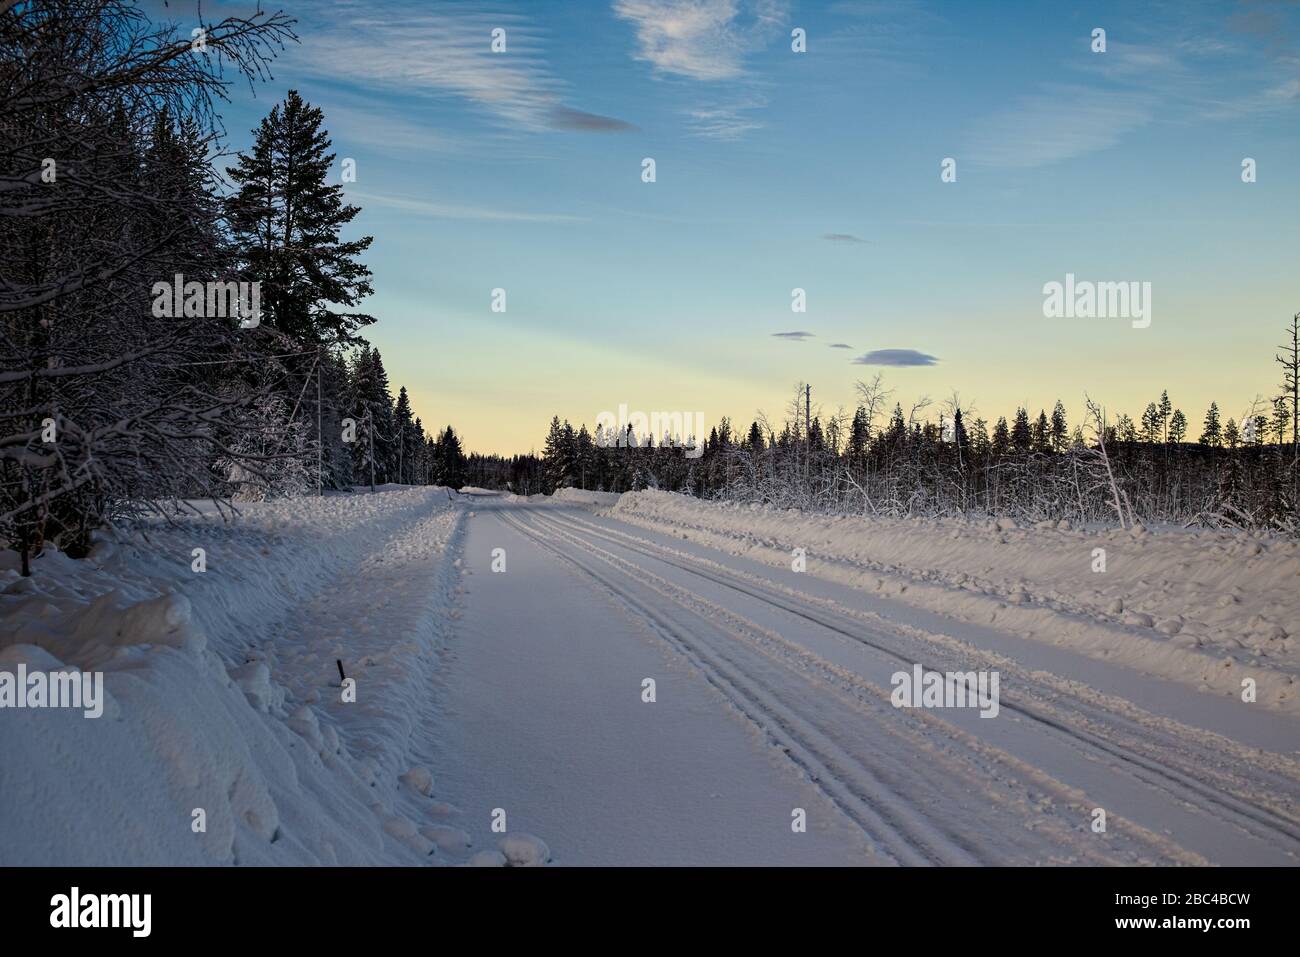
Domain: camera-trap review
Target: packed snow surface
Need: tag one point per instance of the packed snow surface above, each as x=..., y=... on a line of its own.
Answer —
x=772, y=696
x=648, y=679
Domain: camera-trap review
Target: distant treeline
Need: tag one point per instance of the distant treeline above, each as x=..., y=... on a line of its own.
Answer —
x=919, y=463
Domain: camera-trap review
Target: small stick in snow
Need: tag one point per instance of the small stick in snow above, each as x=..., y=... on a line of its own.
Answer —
x=342, y=677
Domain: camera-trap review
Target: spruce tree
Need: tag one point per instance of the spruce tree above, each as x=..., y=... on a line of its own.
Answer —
x=569, y=455
x=1125, y=430
x=1060, y=429
x=859, y=437
x=404, y=434
x=1212, y=432
x=374, y=452
x=959, y=437
x=1021, y=436
x=553, y=464
x=816, y=438
x=285, y=219
x=1281, y=418
x=1177, y=427
x=1151, y=423
x=1001, y=438
x=1042, y=433
x=449, y=460
x=585, y=455
x=897, y=426
x=336, y=457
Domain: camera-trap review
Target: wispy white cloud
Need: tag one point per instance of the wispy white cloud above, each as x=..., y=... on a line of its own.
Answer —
x=435, y=210
x=709, y=41
x=1057, y=124
x=1204, y=65
x=445, y=50
x=1281, y=95
x=701, y=39
x=897, y=37
x=351, y=124
x=728, y=120
x=1124, y=61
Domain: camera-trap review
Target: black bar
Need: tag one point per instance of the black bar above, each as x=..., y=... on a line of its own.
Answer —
x=336, y=905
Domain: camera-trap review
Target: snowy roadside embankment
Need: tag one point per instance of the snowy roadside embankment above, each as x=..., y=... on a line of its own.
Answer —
x=577, y=496
x=225, y=737
x=1206, y=608
x=569, y=496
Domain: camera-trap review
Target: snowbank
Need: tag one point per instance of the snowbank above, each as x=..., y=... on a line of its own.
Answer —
x=571, y=496
x=1208, y=608
x=581, y=497
x=225, y=738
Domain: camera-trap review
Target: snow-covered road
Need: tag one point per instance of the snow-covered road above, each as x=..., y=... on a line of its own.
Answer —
x=772, y=693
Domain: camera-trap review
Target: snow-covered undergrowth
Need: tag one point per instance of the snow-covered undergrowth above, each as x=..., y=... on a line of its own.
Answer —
x=1207, y=608
x=225, y=704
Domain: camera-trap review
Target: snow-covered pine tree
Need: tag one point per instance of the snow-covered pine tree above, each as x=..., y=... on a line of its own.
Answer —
x=557, y=455
x=371, y=405
x=417, y=455
x=404, y=436
x=285, y=221
x=336, y=458
x=286, y=217
x=585, y=459
x=449, y=460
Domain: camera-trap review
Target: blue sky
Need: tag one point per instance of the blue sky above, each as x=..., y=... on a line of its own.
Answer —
x=820, y=170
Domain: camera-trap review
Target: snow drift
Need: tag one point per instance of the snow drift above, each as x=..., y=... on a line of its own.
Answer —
x=225, y=739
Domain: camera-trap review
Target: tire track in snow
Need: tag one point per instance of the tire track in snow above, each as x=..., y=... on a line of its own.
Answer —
x=960, y=773
x=896, y=832
x=1179, y=784
x=968, y=762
